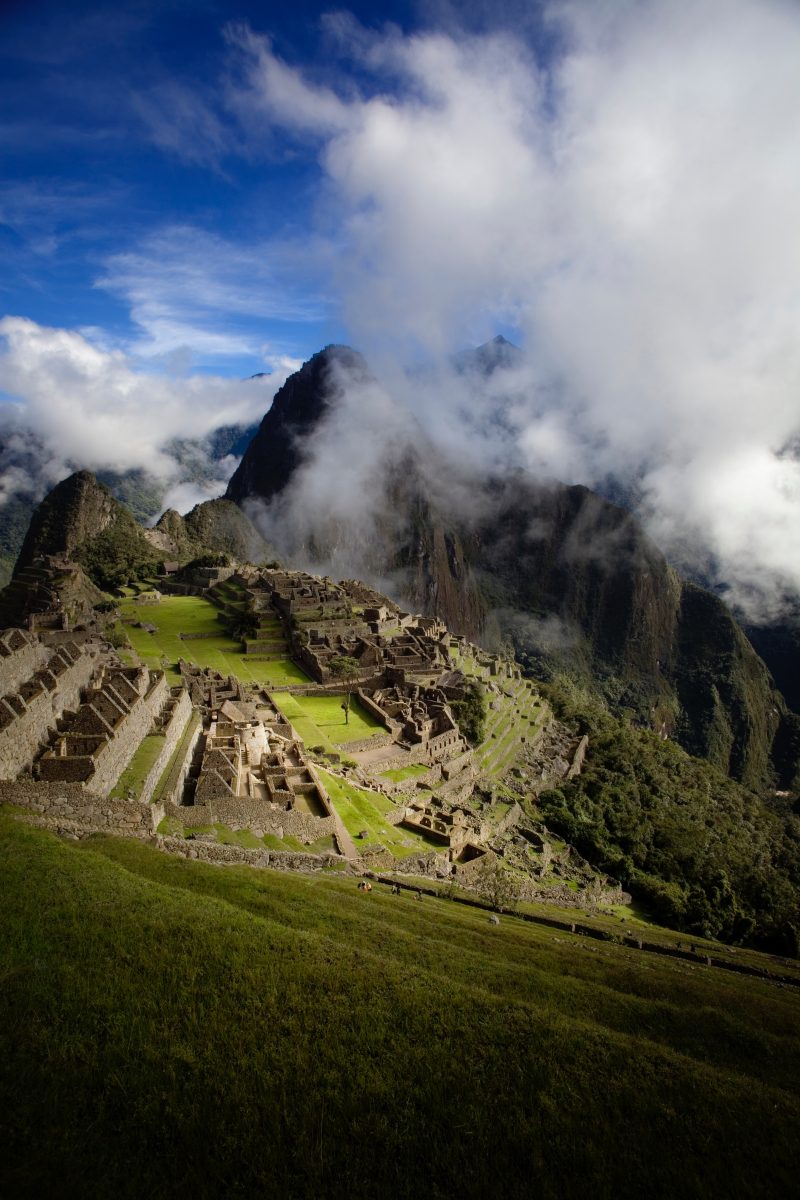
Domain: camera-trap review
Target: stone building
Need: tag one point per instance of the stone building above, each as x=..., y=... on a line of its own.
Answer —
x=96, y=744
x=41, y=684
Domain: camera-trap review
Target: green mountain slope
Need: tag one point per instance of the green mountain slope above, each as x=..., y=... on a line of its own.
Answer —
x=171, y=1029
x=704, y=853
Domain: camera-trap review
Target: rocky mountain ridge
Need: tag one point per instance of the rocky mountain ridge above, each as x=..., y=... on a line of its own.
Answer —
x=564, y=577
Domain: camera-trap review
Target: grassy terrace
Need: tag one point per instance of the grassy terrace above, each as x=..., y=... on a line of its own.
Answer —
x=134, y=775
x=365, y=811
x=517, y=715
x=174, y=1030
x=193, y=614
x=400, y=773
x=319, y=720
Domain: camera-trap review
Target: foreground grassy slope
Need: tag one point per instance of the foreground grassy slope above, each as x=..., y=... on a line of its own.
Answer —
x=172, y=1029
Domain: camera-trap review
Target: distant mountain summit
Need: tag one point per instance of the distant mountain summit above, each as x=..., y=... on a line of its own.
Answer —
x=276, y=449
x=498, y=353
x=82, y=536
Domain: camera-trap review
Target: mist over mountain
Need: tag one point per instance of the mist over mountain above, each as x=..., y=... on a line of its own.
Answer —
x=28, y=469
x=343, y=479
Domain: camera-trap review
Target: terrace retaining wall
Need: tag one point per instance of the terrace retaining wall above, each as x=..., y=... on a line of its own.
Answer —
x=244, y=812
x=173, y=732
x=34, y=720
x=74, y=808
x=20, y=664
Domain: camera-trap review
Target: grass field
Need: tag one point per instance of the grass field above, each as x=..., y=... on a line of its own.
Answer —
x=401, y=773
x=365, y=811
x=193, y=614
x=320, y=719
x=134, y=775
x=174, y=1030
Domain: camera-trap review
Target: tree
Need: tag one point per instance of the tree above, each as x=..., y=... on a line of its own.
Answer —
x=470, y=712
x=345, y=667
x=497, y=885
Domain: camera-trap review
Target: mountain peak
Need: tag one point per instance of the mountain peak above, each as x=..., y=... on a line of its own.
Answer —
x=484, y=359
x=276, y=450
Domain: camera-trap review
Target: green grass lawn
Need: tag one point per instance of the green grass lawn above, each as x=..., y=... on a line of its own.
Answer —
x=193, y=614
x=170, y=1029
x=362, y=810
x=323, y=720
x=136, y=772
x=401, y=773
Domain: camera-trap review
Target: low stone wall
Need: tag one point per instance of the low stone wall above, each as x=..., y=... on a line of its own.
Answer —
x=369, y=743
x=377, y=712
x=245, y=812
x=453, y=766
x=73, y=807
x=173, y=732
x=221, y=855
x=407, y=787
x=509, y=820
x=578, y=757
x=173, y=786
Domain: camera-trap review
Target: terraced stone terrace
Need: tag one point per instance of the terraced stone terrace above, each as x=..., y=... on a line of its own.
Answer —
x=208, y=644
x=516, y=716
x=132, y=779
x=364, y=811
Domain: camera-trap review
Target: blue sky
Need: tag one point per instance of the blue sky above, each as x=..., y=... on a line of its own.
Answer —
x=118, y=178
x=142, y=200
x=195, y=192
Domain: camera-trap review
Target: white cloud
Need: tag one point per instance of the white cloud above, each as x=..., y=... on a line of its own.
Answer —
x=91, y=406
x=630, y=206
x=189, y=290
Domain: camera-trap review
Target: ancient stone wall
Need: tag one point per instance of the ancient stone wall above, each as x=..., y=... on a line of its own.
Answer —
x=174, y=785
x=369, y=743
x=578, y=757
x=173, y=732
x=31, y=722
x=19, y=659
x=222, y=855
x=71, y=806
x=115, y=756
x=246, y=812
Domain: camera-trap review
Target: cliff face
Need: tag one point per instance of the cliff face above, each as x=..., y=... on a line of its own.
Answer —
x=565, y=576
x=276, y=450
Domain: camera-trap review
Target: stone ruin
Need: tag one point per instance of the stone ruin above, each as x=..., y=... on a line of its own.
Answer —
x=253, y=773
x=207, y=688
x=72, y=716
x=95, y=744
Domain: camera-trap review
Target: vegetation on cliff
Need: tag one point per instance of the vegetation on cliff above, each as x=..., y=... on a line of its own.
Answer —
x=704, y=853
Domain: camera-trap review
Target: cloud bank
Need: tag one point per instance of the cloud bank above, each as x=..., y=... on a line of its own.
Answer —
x=70, y=402
x=627, y=203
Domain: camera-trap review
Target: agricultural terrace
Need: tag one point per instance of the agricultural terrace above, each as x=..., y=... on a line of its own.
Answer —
x=133, y=777
x=516, y=716
x=176, y=615
x=320, y=720
x=364, y=811
x=246, y=839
